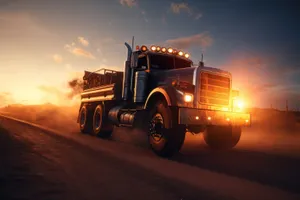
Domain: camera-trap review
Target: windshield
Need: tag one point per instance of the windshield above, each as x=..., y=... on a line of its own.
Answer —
x=163, y=62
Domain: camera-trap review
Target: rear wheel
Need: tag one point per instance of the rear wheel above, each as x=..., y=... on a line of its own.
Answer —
x=101, y=125
x=165, y=138
x=85, y=119
x=222, y=137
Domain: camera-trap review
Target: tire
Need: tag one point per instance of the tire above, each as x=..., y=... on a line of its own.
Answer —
x=165, y=138
x=222, y=137
x=85, y=120
x=101, y=126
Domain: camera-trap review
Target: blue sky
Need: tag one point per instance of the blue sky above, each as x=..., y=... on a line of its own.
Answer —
x=44, y=43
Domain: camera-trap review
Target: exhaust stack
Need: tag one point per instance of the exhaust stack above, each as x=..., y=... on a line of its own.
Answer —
x=127, y=73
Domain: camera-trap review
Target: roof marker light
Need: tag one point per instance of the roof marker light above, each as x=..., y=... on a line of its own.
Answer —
x=170, y=50
x=187, y=55
x=164, y=49
x=144, y=48
x=180, y=53
x=153, y=48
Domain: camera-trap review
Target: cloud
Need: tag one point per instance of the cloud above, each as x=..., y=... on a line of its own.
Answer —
x=82, y=52
x=57, y=58
x=82, y=41
x=179, y=7
x=198, y=16
x=144, y=14
x=129, y=3
x=79, y=51
x=203, y=40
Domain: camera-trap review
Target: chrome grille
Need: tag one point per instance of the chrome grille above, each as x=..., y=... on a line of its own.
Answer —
x=214, y=89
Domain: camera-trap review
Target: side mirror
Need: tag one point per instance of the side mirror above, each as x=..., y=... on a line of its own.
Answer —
x=134, y=60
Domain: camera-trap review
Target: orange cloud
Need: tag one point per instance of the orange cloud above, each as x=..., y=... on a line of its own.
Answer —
x=79, y=52
x=129, y=3
x=83, y=41
x=82, y=52
x=178, y=7
x=57, y=58
x=203, y=40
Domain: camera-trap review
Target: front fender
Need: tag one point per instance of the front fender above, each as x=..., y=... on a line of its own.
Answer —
x=168, y=92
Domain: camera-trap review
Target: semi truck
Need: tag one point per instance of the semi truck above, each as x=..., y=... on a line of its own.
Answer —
x=162, y=92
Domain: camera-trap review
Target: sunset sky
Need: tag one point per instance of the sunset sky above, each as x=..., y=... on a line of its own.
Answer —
x=46, y=43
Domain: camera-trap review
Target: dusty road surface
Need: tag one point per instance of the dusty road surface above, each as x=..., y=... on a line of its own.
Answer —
x=37, y=163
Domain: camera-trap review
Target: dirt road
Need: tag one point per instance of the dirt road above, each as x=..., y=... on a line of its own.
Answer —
x=42, y=164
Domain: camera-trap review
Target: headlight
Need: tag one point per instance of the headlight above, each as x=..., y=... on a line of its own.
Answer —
x=185, y=96
x=238, y=103
x=188, y=98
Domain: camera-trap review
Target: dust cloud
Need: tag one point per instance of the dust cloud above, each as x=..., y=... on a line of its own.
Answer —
x=76, y=86
x=61, y=118
x=60, y=115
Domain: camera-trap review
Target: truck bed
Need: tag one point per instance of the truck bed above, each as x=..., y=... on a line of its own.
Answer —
x=102, y=86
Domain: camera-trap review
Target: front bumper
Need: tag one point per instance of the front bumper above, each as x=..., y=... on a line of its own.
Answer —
x=194, y=116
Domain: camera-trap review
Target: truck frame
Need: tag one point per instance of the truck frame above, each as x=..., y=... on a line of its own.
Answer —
x=163, y=93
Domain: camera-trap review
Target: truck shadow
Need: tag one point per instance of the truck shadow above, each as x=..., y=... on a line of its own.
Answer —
x=274, y=170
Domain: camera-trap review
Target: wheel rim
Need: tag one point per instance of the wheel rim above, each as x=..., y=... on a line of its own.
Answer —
x=97, y=120
x=156, y=127
x=82, y=118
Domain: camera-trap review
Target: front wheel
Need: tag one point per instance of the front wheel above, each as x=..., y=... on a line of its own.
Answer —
x=165, y=138
x=222, y=137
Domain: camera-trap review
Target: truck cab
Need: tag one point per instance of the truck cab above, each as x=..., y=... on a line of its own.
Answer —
x=162, y=91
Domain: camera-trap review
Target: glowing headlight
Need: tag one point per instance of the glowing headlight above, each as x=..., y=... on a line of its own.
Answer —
x=188, y=98
x=238, y=103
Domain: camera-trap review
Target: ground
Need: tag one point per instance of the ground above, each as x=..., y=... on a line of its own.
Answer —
x=39, y=163
x=36, y=165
